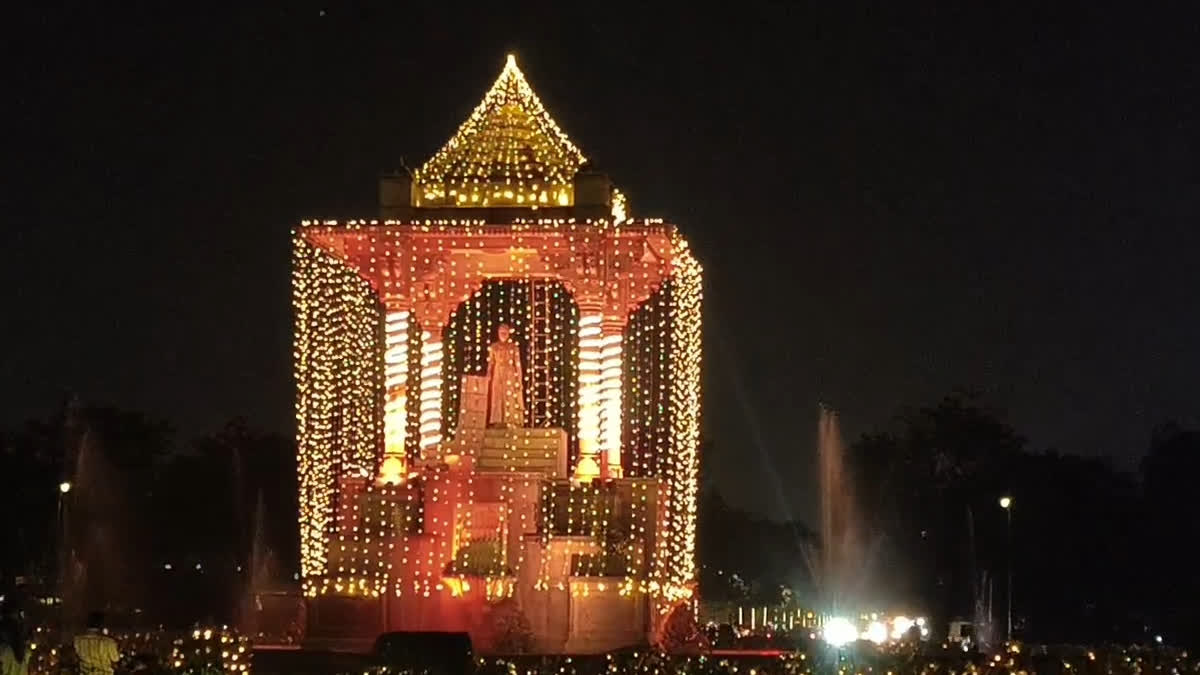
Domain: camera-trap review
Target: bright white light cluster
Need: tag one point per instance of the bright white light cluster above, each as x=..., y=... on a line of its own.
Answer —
x=876, y=632
x=839, y=632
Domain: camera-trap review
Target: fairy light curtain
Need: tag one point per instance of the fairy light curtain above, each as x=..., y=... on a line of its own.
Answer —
x=646, y=418
x=339, y=378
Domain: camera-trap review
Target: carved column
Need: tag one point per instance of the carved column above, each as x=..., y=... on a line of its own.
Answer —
x=600, y=382
x=432, y=317
x=394, y=467
x=610, y=397
x=590, y=374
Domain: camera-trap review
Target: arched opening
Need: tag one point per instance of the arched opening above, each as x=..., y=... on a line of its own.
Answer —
x=545, y=321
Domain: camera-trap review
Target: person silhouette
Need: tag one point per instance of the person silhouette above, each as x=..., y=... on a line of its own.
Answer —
x=96, y=651
x=14, y=647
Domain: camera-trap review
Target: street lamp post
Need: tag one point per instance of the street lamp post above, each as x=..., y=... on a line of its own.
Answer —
x=1006, y=503
x=63, y=547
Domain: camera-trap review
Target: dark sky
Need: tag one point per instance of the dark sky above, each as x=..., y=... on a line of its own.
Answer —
x=890, y=202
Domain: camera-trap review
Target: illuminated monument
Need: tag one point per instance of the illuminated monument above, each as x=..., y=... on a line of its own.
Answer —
x=498, y=400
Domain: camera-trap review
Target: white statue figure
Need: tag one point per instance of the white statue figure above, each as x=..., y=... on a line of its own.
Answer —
x=506, y=398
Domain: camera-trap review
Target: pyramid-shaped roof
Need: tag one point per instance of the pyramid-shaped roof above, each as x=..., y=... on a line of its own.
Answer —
x=509, y=152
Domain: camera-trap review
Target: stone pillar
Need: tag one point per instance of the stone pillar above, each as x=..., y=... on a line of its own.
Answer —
x=610, y=398
x=590, y=374
x=394, y=468
x=431, y=389
x=600, y=382
x=432, y=316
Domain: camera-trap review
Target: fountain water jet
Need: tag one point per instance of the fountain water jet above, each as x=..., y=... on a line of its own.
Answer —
x=258, y=571
x=93, y=528
x=839, y=566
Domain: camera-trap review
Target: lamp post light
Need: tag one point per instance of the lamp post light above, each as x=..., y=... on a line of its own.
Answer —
x=1006, y=503
x=62, y=550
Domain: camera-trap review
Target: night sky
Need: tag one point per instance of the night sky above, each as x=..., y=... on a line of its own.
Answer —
x=889, y=202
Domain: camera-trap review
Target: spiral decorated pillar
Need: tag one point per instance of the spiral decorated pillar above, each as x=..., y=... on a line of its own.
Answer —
x=599, y=392
x=432, y=317
x=394, y=468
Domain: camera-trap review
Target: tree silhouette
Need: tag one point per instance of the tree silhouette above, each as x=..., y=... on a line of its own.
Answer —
x=1172, y=521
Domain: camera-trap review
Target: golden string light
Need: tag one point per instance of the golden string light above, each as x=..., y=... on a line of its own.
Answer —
x=685, y=407
x=508, y=152
x=338, y=369
x=612, y=389
x=547, y=350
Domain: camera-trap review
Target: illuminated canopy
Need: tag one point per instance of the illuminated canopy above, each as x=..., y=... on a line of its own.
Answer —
x=409, y=489
x=509, y=152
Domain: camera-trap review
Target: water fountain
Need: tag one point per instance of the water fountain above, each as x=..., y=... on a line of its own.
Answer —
x=838, y=567
x=981, y=589
x=91, y=526
x=258, y=571
x=70, y=572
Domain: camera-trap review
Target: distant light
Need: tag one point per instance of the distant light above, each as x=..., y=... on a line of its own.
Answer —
x=1158, y=639
x=1005, y=502
x=197, y=567
x=900, y=626
x=839, y=632
x=167, y=566
x=876, y=632
x=64, y=487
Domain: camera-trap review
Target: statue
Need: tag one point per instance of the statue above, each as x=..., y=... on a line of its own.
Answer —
x=506, y=397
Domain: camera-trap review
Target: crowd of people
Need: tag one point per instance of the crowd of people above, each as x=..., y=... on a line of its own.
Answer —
x=217, y=651
x=94, y=652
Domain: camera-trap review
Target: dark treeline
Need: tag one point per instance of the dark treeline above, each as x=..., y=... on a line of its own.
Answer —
x=152, y=523
x=1097, y=553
